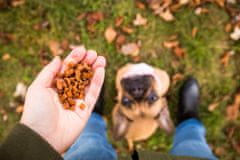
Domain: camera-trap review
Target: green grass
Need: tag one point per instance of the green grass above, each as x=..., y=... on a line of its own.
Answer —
x=202, y=59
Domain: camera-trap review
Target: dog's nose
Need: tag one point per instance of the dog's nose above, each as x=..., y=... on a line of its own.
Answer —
x=137, y=92
x=137, y=86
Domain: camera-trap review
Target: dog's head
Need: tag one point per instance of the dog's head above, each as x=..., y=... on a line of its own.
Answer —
x=141, y=89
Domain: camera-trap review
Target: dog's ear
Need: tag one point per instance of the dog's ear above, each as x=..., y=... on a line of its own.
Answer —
x=164, y=120
x=164, y=81
x=120, y=124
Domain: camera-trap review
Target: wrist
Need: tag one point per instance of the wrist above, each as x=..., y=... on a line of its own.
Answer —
x=44, y=136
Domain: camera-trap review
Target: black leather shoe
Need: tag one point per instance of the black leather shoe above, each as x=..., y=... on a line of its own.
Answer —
x=99, y=106
x=188, y=100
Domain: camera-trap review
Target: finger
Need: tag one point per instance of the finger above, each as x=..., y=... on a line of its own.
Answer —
x=90, y=57
x=74, y=57
x=95, y=88
x=48, y=73
x=100, y=62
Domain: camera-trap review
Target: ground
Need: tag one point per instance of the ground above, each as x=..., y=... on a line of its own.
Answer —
x=28, y=47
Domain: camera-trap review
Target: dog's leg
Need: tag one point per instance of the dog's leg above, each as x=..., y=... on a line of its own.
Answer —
x=120, y=123
x=130, y=145
x=164, y=120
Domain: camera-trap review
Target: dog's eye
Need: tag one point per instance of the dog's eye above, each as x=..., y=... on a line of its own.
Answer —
x=152, y=97
x=126, y=101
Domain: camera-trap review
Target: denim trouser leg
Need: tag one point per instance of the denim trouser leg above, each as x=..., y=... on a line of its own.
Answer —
x=190, y=140
x=92, y=144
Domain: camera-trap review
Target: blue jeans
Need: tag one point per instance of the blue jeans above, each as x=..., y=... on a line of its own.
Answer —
x=92, y=144
x=189, y=140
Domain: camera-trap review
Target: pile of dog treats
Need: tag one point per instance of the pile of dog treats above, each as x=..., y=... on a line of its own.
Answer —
x=72, y=83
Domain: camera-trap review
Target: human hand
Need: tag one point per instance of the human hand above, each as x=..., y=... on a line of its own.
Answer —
x=43, y=111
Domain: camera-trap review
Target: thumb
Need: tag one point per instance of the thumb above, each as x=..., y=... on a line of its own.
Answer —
x=48, y=73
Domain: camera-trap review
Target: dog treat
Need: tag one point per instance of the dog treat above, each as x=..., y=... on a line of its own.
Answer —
x=72, y=83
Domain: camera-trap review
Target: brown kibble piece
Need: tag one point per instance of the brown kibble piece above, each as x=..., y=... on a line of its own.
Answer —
x=72, y=83
x=82, y=106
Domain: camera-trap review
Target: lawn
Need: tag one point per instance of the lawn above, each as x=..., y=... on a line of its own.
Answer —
x=27, y=30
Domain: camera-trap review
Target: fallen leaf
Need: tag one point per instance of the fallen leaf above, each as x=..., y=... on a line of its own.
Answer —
x=55, y=48
x=19, y=109
x=194, y=32
x=220, y=151
x=177, y=77
x=139, y=20
x=140, y=5
x=127, y=29
x=228, y=27
x=73, y=46
x=81, y=16
x=65, y=45
x=41, y=25
x=213, y=106
x=165, y=15
x=184, y=2
x=16, y=3
x=5, y=117
x=131, y=49
x=179, y=52
x=221, y=3
x=94, y=17
x=119, y=21
x=7, y=37
x=121, y=39
x=21, y=90
x=110, y=34
x=200, y=10
x=233, y=110
x=226, y=57
x=6, y=56
x=235, y=35
x=171, y=44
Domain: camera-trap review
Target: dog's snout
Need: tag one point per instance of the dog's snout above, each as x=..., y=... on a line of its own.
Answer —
x=137, y=92
x=137, y=86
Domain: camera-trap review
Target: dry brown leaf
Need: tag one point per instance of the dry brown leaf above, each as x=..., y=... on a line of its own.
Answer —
x=177, y=77
x=5, y=117
x=171, y=44
x=93, y=17
x=65, y=45
x=16, y=3
x=140, y=5
x=200, y=10
x=226, y=57
x=220, y=151
x=194, y=32
x=213, y=106
x=55, y=48
x=166, y=15
x=235, y=35
x=110, y=34
x=19, y=109
x=81, y=16
x=119, y=21
x=233, y=110
x=21, y=90
x=121, y=39
x=221, y=3
x=139, y=20
x=179, y=52
x=127, y=29
x=6, y=57
x=228, y=27
x=131, y=49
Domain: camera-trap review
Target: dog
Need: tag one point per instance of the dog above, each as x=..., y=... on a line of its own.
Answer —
x=141, y=106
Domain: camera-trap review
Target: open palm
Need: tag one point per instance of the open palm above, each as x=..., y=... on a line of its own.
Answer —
x=43, y=111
